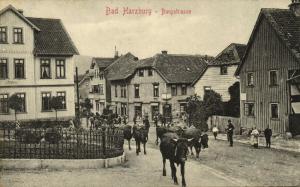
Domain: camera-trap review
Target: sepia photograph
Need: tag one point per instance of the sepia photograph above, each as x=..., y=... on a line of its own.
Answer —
x=149, y=93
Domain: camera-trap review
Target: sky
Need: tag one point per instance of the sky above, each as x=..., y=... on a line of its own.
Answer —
x=211, y=26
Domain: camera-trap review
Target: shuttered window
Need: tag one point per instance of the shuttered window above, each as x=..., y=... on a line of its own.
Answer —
x=249, y=109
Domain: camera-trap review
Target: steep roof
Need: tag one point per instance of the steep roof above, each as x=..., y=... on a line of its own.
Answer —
x=20, y=15
x=232, y=54
x=176, y=68
x=102, y=62
x=122, y=68
x=52, y=39
x=286, y=26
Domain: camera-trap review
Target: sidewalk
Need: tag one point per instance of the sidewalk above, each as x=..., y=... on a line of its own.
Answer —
x=276, y=142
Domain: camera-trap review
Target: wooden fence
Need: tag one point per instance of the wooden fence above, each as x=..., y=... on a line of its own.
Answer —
x=222, y=121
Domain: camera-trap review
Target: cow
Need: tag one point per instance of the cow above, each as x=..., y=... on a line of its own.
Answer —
x=174, y=149
x=198, y=140
x=140, y=134
x=127, y=133
x=160, y=131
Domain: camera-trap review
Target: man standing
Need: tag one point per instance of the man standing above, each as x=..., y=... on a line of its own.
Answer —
x=215, y=131
x=268, y=134
x=230, y=129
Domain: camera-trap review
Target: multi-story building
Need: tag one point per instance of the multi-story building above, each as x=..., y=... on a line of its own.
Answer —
x=159, y=84
x=219, y=75
x=99, y=92
x=118, y=75
x=269, y=72
x=36, y=63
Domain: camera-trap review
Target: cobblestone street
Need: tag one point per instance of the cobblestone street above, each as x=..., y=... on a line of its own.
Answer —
x=219, y=165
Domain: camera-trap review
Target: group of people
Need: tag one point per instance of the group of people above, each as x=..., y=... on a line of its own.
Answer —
x=254, y=133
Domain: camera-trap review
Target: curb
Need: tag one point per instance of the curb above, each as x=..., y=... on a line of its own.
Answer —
x=60, y=164
x=261, y=145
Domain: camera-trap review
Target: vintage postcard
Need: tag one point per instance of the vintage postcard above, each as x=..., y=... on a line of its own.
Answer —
x=149, y=93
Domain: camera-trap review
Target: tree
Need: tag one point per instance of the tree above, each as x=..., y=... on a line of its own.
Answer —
x=87, y=105
x=15, y=103
x=213, y=103
x=196, y=112
x=233, y=105
x=56, y=104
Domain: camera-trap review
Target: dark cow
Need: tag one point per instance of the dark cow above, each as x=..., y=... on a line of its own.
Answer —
x=197, y=141
x=175, y=149
x=140, y=134
x=127, y=133
x=160, y=131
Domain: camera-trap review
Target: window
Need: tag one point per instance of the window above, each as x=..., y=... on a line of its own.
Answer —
x=62, y=96
x=46, y=97
x=123, y=91
x=60, y=69
x=155, y=90
x=4, y=104
x=45, y=69
x=273, y=78
x=123, y=109
x=97, y=105
x=173, y=90
x=3, y=69
x=101, y=91
x=150, y=72
x=3, y=34
x=274, y=111
x=249, y=109
x=223, y=70
x=206, y=88
x=101, y=77
x=18, y=35
x=19, y=68
x=116, y=90
x=141, y=73
x=183, y=89
x=250, y=79
x=23, y=102
x=136, y=91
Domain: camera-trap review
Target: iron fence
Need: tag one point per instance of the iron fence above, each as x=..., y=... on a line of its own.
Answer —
x=60, y=143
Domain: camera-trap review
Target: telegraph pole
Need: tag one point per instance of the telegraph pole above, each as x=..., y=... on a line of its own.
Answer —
x=77, y=93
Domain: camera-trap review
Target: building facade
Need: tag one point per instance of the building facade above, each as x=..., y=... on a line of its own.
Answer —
x=35, y=66
x=270, y=62
x=99, y=91
x=219, y=75
x=159, y=84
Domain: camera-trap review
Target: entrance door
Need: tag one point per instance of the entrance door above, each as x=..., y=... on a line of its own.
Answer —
x=154, y=111
x=167, y=112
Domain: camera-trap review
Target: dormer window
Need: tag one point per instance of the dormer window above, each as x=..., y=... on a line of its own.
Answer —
x=18, y=36
x=3, y=35
x=223, y=70
x=141, y=73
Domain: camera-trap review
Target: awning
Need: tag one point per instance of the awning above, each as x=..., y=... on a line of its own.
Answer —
x=296, y=107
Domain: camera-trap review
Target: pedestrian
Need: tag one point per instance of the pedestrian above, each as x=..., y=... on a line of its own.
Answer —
x=134, y=119
x=163, y=120
x=230, y=129
x=92, y=122
x=254, y=137
x=215, y=131
x=268, y=135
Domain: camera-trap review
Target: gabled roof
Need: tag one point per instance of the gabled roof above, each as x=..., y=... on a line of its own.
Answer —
x=52, y=39
x=102, y=62
x=231, y=55
x=286, y=26
x=176, y=68
x=122, y=68
x=14, y=10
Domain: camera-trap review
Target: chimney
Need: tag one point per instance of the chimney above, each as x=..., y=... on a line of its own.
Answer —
x=20, y=11
x=295, y=7
x=135, y=58
x=116, y=53
x=164, y=52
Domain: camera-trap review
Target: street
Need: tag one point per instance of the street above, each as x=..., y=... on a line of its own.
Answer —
x=219, y=165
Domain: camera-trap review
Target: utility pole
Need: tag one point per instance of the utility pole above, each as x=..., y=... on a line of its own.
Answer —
x=77, y=93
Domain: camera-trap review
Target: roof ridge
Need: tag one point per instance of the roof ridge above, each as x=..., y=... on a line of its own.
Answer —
x=42, y=18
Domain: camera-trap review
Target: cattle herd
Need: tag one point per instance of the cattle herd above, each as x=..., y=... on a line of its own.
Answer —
x=175, y=144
